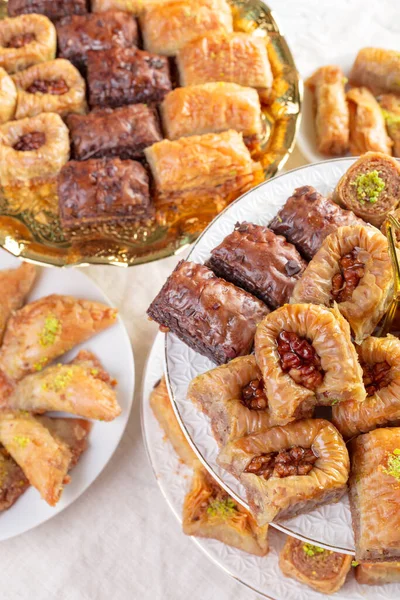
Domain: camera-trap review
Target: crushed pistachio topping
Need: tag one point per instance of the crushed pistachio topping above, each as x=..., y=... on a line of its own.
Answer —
x=38, y=366
x=393, y=464
x=391, y=118
x=344, y=80
x=60, y=381
x=369, y=186
x=311, y=550
x=354, y=563
x=21, y=440
x=50, y=331
x=221, y=508
x=94, y=372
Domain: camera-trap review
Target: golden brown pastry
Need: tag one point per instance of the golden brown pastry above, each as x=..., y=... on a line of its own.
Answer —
x=367, y=125
x=47, y=328
x=55, y=86
x=370, y=187
x=13, y=482
x=15, y=285
x=322, y=570
x=390, y=106
x=136, y=7
x=32, y=150
x=233, y=397
x=44, y=458
x=378, y=69
x=378, y=573
x=352, y=269
x=168, y=27
x=211, y=108
x=375, y=495
x=289, y=470
x=332, y=112
x=380, y=360
x=25, y=41
x=209, y=512
x=237, y=58
x=8, y=97
x=164, y=413
x=306, y=358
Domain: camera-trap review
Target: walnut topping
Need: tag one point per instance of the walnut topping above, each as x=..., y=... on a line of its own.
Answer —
x=345, y=282
x=30, y=141
x=253, y=395
x=376, y=376
x=56, y=87
x=300, y=360
x=19, y=41
x=295, y=461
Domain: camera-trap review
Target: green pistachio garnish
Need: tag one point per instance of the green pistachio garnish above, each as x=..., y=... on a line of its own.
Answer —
x=354, y=563
x=50, y=331
x=38, y=366
x=60, y=381
x=311, y=550
x=369, y=186
x=221, y=508
x=391, y=118
x=21, y=440
x=393, y=464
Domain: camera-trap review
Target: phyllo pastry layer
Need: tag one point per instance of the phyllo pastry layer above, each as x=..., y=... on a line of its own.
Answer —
x=378, y=69
x=136, y=7
x=15, y=285
x=390, y=106
x=53, y=9
x=378, y=573
x=13, y=482
x=367, y=124
x=210, y=315
x=290, y=470
x=8, y=97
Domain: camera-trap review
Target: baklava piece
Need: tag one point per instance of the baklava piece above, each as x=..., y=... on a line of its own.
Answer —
x=212, y=108
x=209, y=512
x=291, y=470
x=236, y=58
x=377, y=69
x=367, y=124
x=53, y=9
x=210, y=315
x=390, y=107
x=322, y=570
x=380, y=361
x=15, y=285
x=307, y=358
x=375, y=495
x=378, y=573
x=25, y=41
x=352, y=269
x=370, y=187
x=122, y=132
x=136, y=7
x=162, y=408
x=8, y=97
x=13, y=482
x=332, y=113
x=167, y=28
x=77, y=34
x=308, y=218
x=99, y=193
x=233, y=397
x=47, y=328
x=127, y=76
x=55, y=86
x=261, y=262
x=32, y=150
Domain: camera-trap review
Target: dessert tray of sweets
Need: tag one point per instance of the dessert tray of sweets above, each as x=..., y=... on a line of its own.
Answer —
x=125, y=127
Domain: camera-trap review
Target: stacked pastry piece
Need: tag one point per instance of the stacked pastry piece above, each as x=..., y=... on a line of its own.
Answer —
x=36, y=449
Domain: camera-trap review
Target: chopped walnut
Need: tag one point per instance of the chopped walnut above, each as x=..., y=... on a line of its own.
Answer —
x=19, y=41
x=345, y=282
x=376, y=376
x=30, y=141
x=253, y=395
x=56, y=87
x=300, y=360
x=294, y=461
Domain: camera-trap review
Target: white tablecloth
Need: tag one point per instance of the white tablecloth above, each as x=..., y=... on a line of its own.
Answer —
x=120, y=541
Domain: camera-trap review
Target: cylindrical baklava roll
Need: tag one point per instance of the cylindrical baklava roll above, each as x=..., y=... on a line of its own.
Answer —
x=378, y=69
x=390, y=106
x=8, y=97
x=367, y=125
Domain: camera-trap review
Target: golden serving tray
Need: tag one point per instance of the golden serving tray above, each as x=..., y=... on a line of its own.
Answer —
x=32, y=230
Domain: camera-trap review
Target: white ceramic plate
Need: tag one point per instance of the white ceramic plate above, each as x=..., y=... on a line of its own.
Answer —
x=113, y=348
x=328, y=526
x=261, y=574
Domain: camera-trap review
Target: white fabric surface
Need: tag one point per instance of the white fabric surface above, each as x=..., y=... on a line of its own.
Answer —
x=120, y=541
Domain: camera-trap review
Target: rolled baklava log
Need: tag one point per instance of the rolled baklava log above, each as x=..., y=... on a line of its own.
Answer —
x=53, y=9
x=378, y=573
x=378, y=69
x=233, y=397
x=352, y=269
x=126, y=76
x=375, y=495
x=105, y=132
x=32, y=150
x=322, y=570
x=308, y=218
x=25, y=41
x=77, y=34
x=370, y=187
x=209, y=512
x=390, y=106
x=306, y=358
x=211, y=108
x=380, y=361
x=8, y=97
x=367, y=124
x=100, y=193
x=332, y=112
x=260, y=262
x=210, y=315
x=55, y=86
x=291, y=470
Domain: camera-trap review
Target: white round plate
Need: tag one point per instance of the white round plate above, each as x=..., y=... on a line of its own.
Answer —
x=328, y=526
x=114, y=350
x=260, y=574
